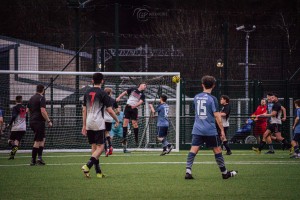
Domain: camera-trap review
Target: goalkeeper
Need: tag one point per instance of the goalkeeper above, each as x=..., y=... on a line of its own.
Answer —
x=162, y=124
x=118, y=130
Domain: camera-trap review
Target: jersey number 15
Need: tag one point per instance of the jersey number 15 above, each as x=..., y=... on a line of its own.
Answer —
x=201, y=107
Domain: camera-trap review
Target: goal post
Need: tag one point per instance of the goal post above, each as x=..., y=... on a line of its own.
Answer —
x=64, y=95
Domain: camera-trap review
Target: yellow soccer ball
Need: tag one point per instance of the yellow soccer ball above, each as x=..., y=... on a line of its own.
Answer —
x=175, y=79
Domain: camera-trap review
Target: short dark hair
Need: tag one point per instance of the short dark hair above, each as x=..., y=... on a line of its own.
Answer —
x=275, y=94
x=40, y=88
x=97, y=78
x=208, y=81
x=18, y=99
x=163, y=97
x=297, y=102
x=270, y=94
x=226, y=98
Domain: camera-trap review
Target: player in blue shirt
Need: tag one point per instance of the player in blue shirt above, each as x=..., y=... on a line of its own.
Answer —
x=296, y=127
x=162, y=123
x=204, y=129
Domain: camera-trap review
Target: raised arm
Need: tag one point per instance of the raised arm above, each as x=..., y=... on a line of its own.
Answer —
x=121, y=95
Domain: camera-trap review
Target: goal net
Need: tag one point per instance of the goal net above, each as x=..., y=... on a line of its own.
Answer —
x=64, y=96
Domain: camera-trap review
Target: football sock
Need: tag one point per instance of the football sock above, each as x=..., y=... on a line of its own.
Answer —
x=271, y=148
x=190, y=160
x=34, y=154
x=40, y=152
x=286, y=144
x=97, y=167
x=225, y=143
x=108, y=141
x=125, y=129
x=91, y=162
x=296, y=149
x=136, y=134
x=261, y=145
x=220, y=161
x=165, y=142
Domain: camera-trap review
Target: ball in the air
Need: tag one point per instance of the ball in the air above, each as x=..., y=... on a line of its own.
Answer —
x=175, y=79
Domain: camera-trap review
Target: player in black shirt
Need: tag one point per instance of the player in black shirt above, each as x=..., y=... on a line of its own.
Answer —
x=18, y=126
x=38, y=116
x=135, y=98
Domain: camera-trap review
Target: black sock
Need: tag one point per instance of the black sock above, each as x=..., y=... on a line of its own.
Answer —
x=225, y=143
x=136, y=134
x=108, y=141
x=34, y=154
x=91, y=162
x=97, y=167
x=125, y=129
x=261, y=145
x=40, y=153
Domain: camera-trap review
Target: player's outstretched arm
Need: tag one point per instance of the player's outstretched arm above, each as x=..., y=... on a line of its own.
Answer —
x=120, y=96
x=152, y=108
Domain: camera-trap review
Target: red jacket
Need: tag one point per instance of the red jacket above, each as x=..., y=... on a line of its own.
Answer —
x=261, y=110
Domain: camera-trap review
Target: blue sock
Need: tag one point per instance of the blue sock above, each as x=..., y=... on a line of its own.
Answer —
x=190, y=161
x=220, y=161
x=164, y=142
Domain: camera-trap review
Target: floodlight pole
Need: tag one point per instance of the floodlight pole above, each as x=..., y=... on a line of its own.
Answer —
x=247, y=31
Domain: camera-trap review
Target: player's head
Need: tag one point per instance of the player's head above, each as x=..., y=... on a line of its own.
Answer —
x=18, y=99
x=97, y=78
x=142, y=86
x=40, y=89
x=269, y=96
x=274, y=97
x=297, y=103
x=163, y=98
x=224, y=99
x=108, y=91
x=208, y=82
x=263, y=102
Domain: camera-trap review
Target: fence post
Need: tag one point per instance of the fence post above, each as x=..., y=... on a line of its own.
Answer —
x=51, y=97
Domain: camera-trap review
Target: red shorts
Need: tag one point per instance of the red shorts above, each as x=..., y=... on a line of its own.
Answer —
x=259, y=129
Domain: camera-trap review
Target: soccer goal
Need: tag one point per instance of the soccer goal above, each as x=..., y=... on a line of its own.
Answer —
x=64, y=95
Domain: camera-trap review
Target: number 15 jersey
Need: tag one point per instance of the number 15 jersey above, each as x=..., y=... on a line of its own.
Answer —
x=205, y=106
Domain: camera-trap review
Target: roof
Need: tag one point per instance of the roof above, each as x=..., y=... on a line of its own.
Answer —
x=47, y=47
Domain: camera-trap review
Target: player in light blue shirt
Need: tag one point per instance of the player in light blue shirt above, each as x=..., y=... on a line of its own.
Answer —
x=162, y=123
x=204, y=130
x=296, y=127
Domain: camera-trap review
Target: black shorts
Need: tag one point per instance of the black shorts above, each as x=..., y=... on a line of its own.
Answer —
x=274, y=128
x=210, y=141
x=95, y=137
x=39, y=130
x=297, y=137
x=162, y=131
x=108, y=126
x=16, y=135
x=130, y=113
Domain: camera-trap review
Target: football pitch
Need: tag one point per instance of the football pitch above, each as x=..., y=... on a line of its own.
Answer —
x=146, y=175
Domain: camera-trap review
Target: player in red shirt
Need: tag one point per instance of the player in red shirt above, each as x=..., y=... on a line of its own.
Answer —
x=260, y=123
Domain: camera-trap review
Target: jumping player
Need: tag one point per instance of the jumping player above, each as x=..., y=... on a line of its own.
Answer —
x=204, y=129
x=18, y=126
x=162, y=124
x=135, y=98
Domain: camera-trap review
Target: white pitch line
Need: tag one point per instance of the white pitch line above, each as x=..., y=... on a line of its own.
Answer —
x=174, y=163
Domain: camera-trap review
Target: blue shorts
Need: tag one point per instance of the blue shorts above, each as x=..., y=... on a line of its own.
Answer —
x=116, y=132
x=297, y=137
x=210, y=141
x=162, y=131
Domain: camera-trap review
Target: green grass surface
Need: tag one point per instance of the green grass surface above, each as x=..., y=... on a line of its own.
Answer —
x=146, y=175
